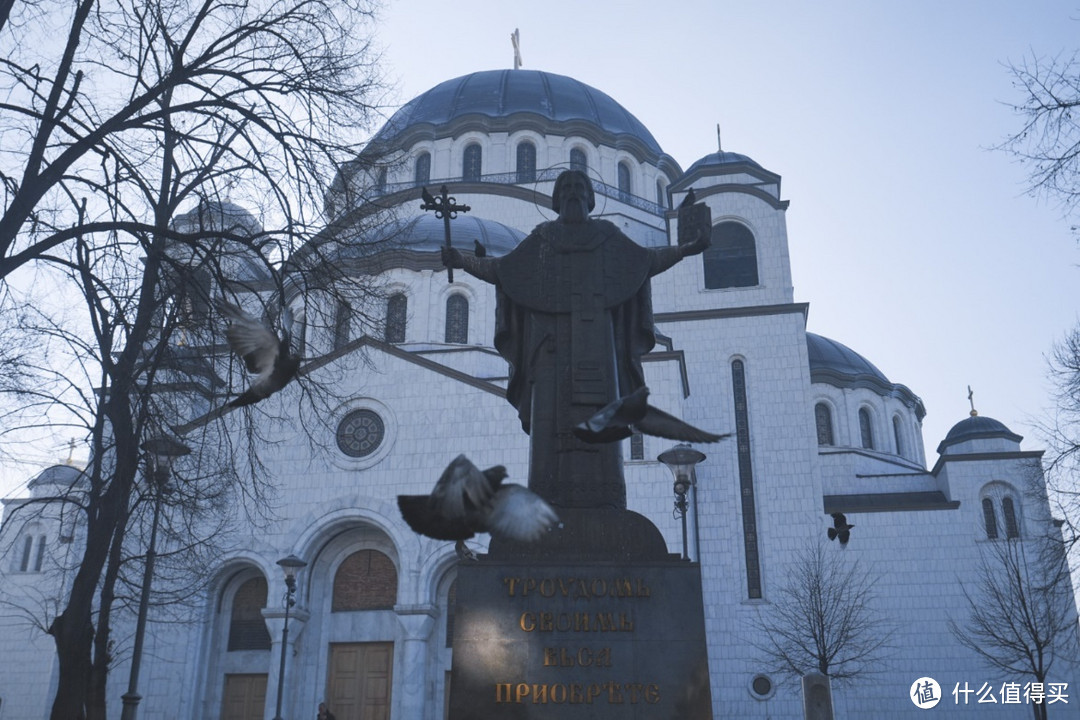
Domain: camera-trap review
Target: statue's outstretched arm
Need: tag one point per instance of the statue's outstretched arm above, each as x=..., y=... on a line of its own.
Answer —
x=482, y=268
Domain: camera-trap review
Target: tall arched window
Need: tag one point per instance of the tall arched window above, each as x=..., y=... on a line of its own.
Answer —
x=1008, y=513
x=661, y=196
x=637, y=446
x=624, y=181
x=366, y=580
x=422, y=172
x=731, y=260
x=578, y=161
x=898, y=434
x=866, y=429
x=247, y=629
x=457, y=319
x=526, y=162
x=342, y=322
x=471, y=166
x=380, y=179
x=823, y=420
x=396, y=308
x=989, y=519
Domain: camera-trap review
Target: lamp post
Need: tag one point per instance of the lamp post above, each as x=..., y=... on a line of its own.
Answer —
x=291, y=565
x=163, y=450
x=681, y=460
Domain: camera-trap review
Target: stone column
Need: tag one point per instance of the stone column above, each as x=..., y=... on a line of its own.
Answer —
x=275, y=625
x=417, y=622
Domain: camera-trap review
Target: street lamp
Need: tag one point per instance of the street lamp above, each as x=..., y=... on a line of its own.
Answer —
x=163, y=450
x=681, y=460
x=291, y=565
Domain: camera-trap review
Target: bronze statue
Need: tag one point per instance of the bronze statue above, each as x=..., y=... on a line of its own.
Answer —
x=573, y=319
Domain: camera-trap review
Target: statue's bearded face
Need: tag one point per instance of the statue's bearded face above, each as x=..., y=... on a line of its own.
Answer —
x=574, y=200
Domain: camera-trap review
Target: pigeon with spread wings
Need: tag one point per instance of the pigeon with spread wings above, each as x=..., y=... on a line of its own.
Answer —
x=267, y=356
x=466, y=501
x=632, y=413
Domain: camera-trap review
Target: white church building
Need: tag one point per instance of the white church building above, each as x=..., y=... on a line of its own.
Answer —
x=817, y=429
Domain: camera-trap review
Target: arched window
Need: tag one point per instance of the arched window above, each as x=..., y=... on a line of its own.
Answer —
x=866, y=429
x=422, y=173
x=526, y=162
x=989, y=519
x=1008, y=512
x=578, y=161
x=823, y=420
x=637, y=446
x=472, y=162
x=898, y=434
x=661, y=196
x=624, y=181
x=731, y=260
x=366, y=580
x=32, y=555
x=451, y=607
x=247, y=630
x=342, y=320
x=457, y=319
x=396, y=307
x=380, y=179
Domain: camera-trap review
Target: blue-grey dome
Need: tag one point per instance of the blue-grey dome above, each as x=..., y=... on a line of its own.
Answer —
x=425, y=233
x=836, y=364
x=58, y=475
x=718, y=159
x=493, y=96
x=830, y=356
x=977, y=427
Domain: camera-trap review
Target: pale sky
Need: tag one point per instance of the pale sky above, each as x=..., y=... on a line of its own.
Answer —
x=913, y=243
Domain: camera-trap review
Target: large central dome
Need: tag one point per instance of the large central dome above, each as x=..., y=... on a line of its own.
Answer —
x=491, y=97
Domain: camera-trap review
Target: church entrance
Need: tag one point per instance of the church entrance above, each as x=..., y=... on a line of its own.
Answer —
x=359, y=680
x=245, y=697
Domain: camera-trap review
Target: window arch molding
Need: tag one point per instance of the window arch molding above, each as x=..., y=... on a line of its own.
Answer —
x=827, y=407
x=869, y=428
x=1000, y=512
x=456, y=312
x=900, y=436
x=461, y=149
x=421, y=167
x=731, y=261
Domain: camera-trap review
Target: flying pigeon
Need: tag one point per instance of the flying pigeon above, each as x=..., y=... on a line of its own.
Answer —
x=840, y=530
x=620, y=419
x=478, y=249
x=264, y=353
x=466, y=501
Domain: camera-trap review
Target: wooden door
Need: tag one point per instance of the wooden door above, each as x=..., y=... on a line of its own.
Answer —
x=245, y=697
x=360, y=680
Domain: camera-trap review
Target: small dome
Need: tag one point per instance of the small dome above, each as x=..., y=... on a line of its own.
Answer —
x=425, y=233
x=59, y=475
x=977, y=427
x=829, y=356
x=496, y=95
x=718, y=159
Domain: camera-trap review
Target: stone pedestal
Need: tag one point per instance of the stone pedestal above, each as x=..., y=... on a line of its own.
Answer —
x=595, y=621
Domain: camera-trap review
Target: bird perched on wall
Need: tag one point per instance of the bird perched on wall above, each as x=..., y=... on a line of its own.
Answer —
x=266, y=355
x=467, y=501
x=478, y=249
x=689, y=200
x=840, y=530
x=632, y=413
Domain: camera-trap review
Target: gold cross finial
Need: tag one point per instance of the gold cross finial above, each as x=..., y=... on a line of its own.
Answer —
x=71, y=452
x=719, y=146
x=971, y=396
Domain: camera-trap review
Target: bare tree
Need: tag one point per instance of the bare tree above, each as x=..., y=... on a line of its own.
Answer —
x=823, y=618
x=1021, y=617
x=143, y=108
x=1048, y=143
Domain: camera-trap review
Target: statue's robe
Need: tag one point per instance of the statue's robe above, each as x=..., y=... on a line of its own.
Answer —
x=574, y=318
